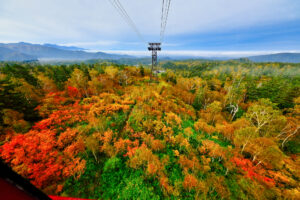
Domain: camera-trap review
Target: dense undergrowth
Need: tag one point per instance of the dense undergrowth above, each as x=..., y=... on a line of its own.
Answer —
x=213, y=130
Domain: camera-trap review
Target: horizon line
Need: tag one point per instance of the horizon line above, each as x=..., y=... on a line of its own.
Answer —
x=198, y=53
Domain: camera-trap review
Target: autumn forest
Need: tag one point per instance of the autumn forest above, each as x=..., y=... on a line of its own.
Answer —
x=195, y=130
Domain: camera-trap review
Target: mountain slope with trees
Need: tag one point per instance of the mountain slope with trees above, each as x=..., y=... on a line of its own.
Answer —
x=200, y=130
x=49, y=52
x=279, y=57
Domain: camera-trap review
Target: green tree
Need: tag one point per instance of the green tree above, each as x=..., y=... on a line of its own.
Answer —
x=262, y=114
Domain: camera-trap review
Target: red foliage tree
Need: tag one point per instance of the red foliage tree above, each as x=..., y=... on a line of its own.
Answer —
x=252, y=172
x=73, y=92
x=34, y=155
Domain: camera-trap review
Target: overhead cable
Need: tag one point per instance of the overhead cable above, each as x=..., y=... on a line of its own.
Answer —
x=164, y=17
x=121, y=10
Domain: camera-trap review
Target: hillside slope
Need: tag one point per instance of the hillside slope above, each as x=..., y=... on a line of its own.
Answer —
x=11, y=55
x=110, y=132
x=280, y=57
x=49, y=52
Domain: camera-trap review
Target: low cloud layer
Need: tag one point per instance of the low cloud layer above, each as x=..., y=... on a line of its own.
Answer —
x=197, y=54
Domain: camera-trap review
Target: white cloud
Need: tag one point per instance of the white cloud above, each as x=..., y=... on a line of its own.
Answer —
x=88, y=21
x=92, y=44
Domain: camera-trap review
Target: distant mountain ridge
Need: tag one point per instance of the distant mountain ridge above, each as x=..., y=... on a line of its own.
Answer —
x=52, y=52
x=26, y=51
x=7, y=54
x=279, y=57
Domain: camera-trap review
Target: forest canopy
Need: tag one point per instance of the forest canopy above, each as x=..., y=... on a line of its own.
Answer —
x=196, y=130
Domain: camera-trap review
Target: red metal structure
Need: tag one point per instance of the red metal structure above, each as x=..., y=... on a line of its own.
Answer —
x=15, y=187
x=64, y=198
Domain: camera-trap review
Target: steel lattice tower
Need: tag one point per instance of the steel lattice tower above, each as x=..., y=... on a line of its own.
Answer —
x=154, y=47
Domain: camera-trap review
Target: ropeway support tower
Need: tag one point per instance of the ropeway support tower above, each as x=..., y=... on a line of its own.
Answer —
x=154, y=47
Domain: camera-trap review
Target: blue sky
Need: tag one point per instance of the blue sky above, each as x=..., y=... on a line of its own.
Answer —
x=198, y=27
